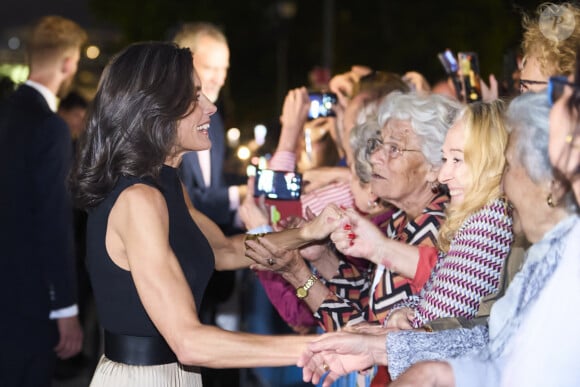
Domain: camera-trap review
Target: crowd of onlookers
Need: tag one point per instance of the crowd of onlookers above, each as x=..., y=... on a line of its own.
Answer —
x=434, y=243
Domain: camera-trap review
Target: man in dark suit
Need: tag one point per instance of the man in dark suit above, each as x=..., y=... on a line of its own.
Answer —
x=37, y=279
x=202, y=172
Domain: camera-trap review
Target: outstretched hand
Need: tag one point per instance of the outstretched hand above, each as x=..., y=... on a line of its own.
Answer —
x=273, y=258
x=358, y=237
x=340, y=353
x=320, y=227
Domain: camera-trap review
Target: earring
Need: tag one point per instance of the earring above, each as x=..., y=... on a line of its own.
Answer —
x=551, y=202
x=435, y=187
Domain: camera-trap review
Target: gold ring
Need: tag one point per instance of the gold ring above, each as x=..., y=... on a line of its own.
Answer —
x=271, y=262
x=325, y=367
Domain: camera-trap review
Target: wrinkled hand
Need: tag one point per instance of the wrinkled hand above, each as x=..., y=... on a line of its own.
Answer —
x=273, y=258
x=401, y=319
x=489, y=93
x=251, y=213
x=358, y=237
x=70, y=337
x=342, y=353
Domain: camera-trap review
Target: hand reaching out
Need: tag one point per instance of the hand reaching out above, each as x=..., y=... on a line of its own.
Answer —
x=271, y=257
x=341, y=353
x=320, y=227
x=358, y=238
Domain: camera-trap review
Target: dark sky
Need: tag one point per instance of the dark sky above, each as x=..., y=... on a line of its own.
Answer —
x=15, y=13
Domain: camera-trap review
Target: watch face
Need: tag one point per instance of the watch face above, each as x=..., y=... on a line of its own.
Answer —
x=301, y=292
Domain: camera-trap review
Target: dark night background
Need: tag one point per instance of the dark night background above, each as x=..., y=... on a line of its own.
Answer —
x=274, y=44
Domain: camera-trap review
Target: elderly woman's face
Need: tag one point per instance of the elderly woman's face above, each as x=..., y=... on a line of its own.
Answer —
x=564, y=147
x=525, y=195
x=399, y=168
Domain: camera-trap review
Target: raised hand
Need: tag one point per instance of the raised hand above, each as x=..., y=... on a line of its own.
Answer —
x=251, y=213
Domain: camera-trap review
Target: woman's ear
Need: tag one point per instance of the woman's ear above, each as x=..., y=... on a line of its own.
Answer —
x=556, y=192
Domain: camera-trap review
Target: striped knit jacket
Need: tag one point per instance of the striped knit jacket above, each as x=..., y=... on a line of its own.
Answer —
x=471, y=268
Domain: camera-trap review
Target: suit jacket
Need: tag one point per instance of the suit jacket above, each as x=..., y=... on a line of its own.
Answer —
x=212, y=200
x=36, y=242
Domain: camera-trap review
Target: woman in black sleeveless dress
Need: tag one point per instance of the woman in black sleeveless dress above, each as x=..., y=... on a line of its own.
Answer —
x=149, y=252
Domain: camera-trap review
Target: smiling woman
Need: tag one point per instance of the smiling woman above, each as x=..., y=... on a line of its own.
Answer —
x=150, y=253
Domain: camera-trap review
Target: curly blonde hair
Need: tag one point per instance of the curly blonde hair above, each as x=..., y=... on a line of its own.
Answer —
x=486, y=138
x=555, y=56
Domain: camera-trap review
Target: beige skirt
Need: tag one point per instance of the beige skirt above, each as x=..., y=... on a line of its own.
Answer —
x=112, y=374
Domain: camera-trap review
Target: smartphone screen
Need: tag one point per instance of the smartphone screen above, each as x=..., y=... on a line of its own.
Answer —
x=469, y=68
x=451, y=67
x=278, y=185
x=321, y=105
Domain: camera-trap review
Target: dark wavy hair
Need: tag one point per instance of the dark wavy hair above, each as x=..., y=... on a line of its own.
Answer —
x=132, y=122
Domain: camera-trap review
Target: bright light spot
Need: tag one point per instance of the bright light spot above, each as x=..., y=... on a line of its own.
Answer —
x=233, y=136
x=93, y=52
x=14, y=43
x=251, y=170
x=260, y=132
x=243, y=153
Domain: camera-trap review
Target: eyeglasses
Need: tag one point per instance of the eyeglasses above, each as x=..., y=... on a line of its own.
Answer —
x=391, y=150
x=556, y=87
x=526, y=83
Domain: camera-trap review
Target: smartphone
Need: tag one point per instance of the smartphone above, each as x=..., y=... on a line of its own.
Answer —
x=321, y=104
x=469, y=69
x=451, y=67
x=278, y=185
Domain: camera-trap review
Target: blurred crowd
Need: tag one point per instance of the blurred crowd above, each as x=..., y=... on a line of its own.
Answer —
x=438, y=221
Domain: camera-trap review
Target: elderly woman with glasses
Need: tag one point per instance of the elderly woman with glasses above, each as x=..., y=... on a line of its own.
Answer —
x=346, y=295
x=483, y=356
x=476, y=236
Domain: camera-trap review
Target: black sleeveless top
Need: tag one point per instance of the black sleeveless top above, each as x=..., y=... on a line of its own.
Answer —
x=118, y=305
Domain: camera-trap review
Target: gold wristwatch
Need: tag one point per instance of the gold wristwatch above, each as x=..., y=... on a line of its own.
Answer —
x=302, y=291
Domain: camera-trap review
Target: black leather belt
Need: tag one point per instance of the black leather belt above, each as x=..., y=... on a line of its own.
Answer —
x=138, y=350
